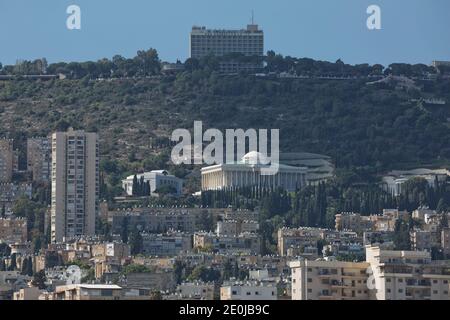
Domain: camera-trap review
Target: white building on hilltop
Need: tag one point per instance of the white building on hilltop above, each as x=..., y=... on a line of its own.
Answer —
x=248, y=173
x=156, y=179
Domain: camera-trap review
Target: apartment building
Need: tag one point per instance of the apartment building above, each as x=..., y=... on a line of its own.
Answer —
x=408, y=275
x=6, y=160
x=298, y=238
x=10, y=192
x=235, y=227
x=13, y=230
x=329, y=280
x=167, y=244
x=99, y=292
x=196, y=290
x=385, y=275
x=360, y=224
x=249, y=42
x=155, y=220
x=243, y=243
x=75, y=184
x=445, y=241
x=424, y=240
x=249, y=290
x=39, y=151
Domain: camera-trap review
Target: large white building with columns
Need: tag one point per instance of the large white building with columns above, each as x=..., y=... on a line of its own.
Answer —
x=247, y=172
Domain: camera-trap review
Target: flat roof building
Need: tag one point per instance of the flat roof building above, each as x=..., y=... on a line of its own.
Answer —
x=248, y=173
x=249, y=42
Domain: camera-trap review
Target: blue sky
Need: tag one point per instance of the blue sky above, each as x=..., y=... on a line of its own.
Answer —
x=413, y=31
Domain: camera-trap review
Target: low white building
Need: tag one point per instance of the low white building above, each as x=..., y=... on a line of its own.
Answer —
x=196, y=290
x=250, y=290
x=156, y=179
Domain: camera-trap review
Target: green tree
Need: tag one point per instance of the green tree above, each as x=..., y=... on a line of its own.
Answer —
x=39, y=280
x=136, y=242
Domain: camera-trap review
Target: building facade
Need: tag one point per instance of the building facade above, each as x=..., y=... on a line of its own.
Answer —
x=248, y=173
x=75, y=184
x=156, y=180
x=250, y=290
x=6, y=160
x=385, y=275
x=249, y=42
x=13, y=230
x=39, y=152
x=329, y=280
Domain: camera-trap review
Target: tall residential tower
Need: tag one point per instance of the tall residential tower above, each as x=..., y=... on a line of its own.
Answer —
x=75, y=184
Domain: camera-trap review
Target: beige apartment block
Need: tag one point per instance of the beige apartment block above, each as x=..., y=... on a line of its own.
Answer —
x=329, y=280
x=75, y=184
x=408, y=275
x=386, y=275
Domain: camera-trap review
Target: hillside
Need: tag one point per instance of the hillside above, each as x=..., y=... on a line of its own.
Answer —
x=356, y=124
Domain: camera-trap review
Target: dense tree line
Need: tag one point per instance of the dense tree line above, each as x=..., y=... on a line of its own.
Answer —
x=147, y=63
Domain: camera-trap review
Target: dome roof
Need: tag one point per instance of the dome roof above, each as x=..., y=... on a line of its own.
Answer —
x=254, y=157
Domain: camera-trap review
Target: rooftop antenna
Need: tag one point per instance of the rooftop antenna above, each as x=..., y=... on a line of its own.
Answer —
x=253, y=17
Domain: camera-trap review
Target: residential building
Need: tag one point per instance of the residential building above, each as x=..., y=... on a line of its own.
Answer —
x=157, y=179
x=99, y=292
x=235, y=227
x=169, y=244
x=301, y=238
x=31, y=293
x=75, y=184
x=249, y=290
x=13, y=230
x=244, y=242
x=250, y=172
x=423, y=240
x=445, y=241
x=196, y=290
x=157, y=280
x=11, y=192
x=39, y=151
x=407, y=275
x=248, y=42
x=6, y=160
x=329, y=280
x=156, y=220
x=383, y=239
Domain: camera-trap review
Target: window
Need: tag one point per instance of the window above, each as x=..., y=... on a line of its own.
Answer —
x=107, y=293
x=400, y=290
x=309, y=280
x=400, y=280
x=309, y=290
